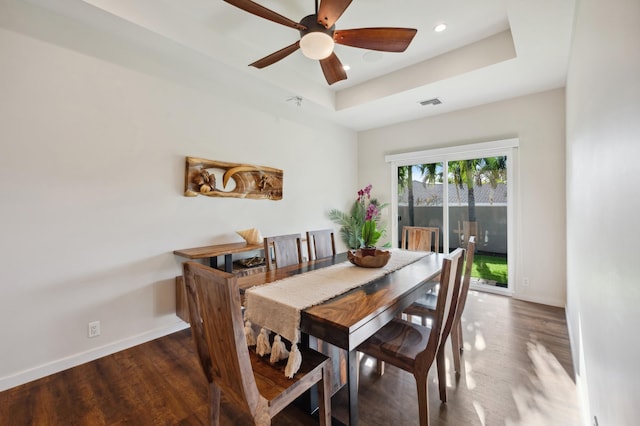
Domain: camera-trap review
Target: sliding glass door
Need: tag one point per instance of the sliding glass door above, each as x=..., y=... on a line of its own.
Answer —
x=463, y=194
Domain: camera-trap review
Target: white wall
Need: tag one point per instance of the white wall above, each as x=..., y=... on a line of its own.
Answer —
x=603, y=202
x=538, y=122
x=94, y=131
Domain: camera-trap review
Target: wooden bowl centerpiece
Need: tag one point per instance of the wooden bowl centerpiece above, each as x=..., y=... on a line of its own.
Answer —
x=378, y=260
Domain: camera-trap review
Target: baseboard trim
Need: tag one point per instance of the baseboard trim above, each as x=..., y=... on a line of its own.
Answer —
x=541, y=300
x=491, y=289
x=62, y=364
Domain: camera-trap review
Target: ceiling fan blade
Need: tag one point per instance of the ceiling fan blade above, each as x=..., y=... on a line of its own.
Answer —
x=263, y=12
x=333, y=69
x=276, y=56
x=330, y=10
x=383, y=39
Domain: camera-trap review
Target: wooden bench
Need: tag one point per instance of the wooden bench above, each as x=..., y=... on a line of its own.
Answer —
x=212, y=253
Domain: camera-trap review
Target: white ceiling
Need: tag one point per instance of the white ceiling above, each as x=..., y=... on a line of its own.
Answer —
x=491, y=50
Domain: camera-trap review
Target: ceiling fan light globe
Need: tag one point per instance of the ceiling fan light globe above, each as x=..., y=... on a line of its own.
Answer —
x=316, y=45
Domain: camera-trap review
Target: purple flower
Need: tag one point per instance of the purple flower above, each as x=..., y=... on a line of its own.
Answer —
x=364, y=191
x=372, y=212
x=367, y=190
x=370, y=207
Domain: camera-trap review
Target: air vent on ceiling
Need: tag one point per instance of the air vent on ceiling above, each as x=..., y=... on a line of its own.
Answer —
x=434, y=101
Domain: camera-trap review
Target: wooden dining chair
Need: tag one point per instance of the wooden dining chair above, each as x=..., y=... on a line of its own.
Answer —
x=249, y=382
x=414, y=347
x=425, y=307
x=321, y=243
x=420, y=238
x=466, y=230
x=282, y=250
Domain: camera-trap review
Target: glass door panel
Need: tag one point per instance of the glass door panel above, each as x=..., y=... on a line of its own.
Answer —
x=421, y=202
x=478, y=206
x=470, y=198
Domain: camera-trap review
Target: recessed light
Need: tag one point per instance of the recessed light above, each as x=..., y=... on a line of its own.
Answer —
x=440, y=27
x=346, y=67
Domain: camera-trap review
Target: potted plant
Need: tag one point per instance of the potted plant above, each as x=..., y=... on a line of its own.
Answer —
x=354, y=230
x=370, y=236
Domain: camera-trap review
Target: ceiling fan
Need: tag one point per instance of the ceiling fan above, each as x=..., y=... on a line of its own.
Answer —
x=318, y=36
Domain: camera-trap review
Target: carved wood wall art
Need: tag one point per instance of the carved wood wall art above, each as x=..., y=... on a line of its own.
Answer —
x=222, y=179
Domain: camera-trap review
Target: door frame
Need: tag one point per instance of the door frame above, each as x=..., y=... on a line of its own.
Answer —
x=508, y=147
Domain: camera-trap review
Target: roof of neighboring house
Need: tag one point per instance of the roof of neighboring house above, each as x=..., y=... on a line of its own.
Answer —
x=431, y=194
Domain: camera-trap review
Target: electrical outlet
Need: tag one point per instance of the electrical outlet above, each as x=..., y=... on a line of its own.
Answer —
x=94, y=329
x=525, y=282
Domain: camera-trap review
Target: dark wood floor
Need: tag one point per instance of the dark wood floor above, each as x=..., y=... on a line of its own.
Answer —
x=517, y=371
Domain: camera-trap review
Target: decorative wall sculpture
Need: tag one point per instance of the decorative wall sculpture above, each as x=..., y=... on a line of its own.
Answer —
x=221, y=179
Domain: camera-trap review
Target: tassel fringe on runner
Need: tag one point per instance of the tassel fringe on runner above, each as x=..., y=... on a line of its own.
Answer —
x=278, y=350
x=263, y=347
x=293, y=364
x=249, y=334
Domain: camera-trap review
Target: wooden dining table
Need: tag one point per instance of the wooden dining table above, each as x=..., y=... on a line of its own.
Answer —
x=348, y=319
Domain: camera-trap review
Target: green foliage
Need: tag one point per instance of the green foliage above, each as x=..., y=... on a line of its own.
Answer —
x=351, y=224
x=370, y=234
x=490, y=268
x=350, y=227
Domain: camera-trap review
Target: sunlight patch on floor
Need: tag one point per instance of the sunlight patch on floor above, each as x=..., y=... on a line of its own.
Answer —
x=468, y=377
x=370, y=362
x=551, y=396
x=479, y=343
x=448, y=372
x=479, y=412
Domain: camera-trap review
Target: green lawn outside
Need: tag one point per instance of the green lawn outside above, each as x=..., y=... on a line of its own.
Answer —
x=490, y=268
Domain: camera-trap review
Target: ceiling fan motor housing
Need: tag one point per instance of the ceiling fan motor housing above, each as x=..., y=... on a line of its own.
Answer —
x=311, y=22
x=316, y=41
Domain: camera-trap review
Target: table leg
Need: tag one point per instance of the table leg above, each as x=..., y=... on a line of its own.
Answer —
x=309, y=401
x=228, y=263
x=352, y=384
x=213, y=262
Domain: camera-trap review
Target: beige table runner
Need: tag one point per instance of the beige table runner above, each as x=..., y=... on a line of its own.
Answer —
x=276, y=306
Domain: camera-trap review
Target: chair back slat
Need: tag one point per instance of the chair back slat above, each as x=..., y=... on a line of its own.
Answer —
x=218, y=332
x=466, y=281
x=282, y=250
x=321, y=243
x=420, y=238
x=452, y=294
x=448, y=294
